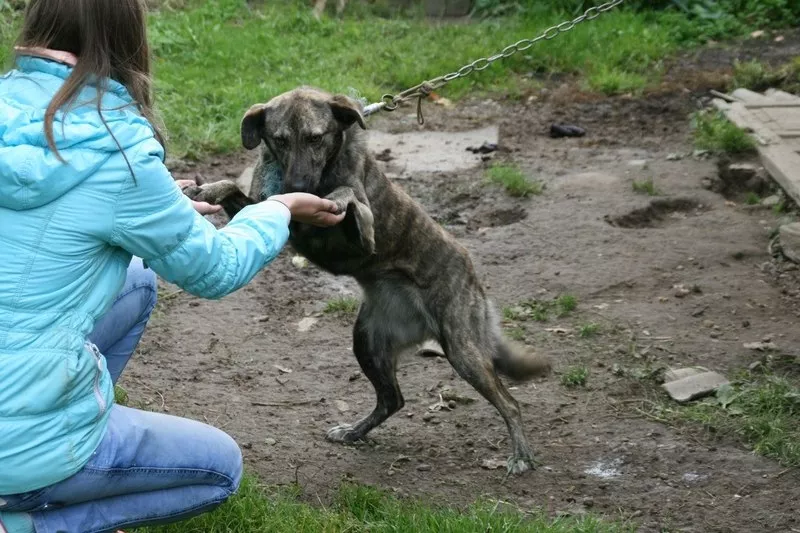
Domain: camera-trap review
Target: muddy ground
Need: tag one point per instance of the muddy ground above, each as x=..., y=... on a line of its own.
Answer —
x=589, y=234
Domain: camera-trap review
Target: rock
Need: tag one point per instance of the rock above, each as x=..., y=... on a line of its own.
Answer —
x=680, y=291
x=695, y=386
x=708, y=324
x=341, y=405
x=566, y=130
x=674, y=157
x=283, y=369
x=262, y=318
x=771, y=201
x=299, y=261
x=674, y=374
x=760, y=346
x=640, y=163
x=270, y=441
x=424, y=467
x=354, y=376
x=790, y=241
x=493, y=464
x=428, y=417
x=485, y=148
x=305, y=324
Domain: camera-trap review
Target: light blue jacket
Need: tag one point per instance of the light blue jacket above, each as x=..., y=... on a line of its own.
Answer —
x=67, y=233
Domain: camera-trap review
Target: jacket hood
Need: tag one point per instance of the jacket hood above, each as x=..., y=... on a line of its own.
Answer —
x=30, y=173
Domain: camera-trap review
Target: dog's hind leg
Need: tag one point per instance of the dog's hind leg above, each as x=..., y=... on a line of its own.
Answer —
x=468, y=356
x=376, y=353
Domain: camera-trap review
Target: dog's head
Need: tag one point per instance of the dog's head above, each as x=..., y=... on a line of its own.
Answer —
x=304, y=131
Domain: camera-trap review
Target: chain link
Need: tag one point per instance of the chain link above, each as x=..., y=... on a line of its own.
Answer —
x=389, y=102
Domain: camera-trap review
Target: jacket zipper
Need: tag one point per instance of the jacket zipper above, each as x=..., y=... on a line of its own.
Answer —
x=97, y=394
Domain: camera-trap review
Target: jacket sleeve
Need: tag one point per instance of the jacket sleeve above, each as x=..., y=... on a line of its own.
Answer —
x=154, y=220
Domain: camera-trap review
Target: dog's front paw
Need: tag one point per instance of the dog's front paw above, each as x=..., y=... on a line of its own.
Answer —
x=343, y=434
x=518, y=465
x=366, y=229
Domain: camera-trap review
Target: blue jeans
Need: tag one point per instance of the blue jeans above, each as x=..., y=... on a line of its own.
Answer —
x=150, y=468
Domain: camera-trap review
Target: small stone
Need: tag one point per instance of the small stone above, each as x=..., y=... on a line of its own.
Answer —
x=354, y=376
x=270, y=441
x=745, y=323
x=674, y=157
x=427, y=417
x=588, y=502
x=424, y=467
x=679, y=291
x=708, y=324
x=715, y=334
x=305, y=324
x=299, y=261
x=696, y=386
x=262, y=318
x=760, y=346
x=640, y=163
x=493, y=464
x=771, y=201
x=342, y=406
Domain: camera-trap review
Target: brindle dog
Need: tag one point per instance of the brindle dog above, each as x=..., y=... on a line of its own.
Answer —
x=419, y=284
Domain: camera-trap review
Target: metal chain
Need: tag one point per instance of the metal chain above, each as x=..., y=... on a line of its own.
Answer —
x=390, y=102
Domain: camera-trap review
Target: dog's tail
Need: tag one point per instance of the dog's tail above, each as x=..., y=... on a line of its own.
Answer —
x=519, y=362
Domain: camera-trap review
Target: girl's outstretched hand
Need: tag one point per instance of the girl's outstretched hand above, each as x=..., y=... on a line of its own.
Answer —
x=310, y=209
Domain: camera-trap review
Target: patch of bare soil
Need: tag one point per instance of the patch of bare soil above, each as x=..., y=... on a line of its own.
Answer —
x=242, y=365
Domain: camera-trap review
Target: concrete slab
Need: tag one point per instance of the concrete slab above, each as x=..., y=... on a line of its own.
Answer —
x=695, y=386
x=773, y=118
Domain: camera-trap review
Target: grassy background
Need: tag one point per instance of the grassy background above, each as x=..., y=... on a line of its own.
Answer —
x=216, y=59
x=357, y=509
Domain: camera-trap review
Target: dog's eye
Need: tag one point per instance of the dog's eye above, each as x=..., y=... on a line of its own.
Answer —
x=314, y=139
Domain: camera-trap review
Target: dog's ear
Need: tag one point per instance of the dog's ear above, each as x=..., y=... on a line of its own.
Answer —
x=252, y=124
x=346, y=111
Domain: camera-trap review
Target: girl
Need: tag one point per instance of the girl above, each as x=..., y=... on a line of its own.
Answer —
x=83, y=189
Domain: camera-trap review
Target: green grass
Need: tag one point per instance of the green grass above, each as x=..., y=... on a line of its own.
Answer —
x=346, y=305
x=645, y=187
x=565, y=304
x=761, y=410
x=612, y=81
x=713, y=132
x=752, y=199
x=575, y=376
x=511, y=178
x=588, y=330
x=516, y=334
x=541, y=310
x=216, y=58
x=361, y=509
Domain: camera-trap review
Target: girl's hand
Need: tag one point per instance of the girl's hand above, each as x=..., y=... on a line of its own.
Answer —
x=310, y=209
x=204, y=208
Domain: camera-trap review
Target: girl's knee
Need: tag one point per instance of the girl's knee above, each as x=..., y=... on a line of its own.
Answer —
x=143, y=280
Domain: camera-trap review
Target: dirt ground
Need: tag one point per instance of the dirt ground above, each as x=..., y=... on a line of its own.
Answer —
x=589, y=234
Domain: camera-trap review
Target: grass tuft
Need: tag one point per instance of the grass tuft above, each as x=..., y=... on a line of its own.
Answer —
x=346, y=305
x=752, y=199
x=611, y=81
x=713, y=132
x=362, y=509
x=541, y=310
x=761, y=410
x=645, y=187
x=575, y=376
x=511, y=178
x=588, y=330
x=565, y=304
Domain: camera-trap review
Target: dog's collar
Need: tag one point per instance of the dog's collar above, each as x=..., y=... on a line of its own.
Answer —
x=46, y=53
